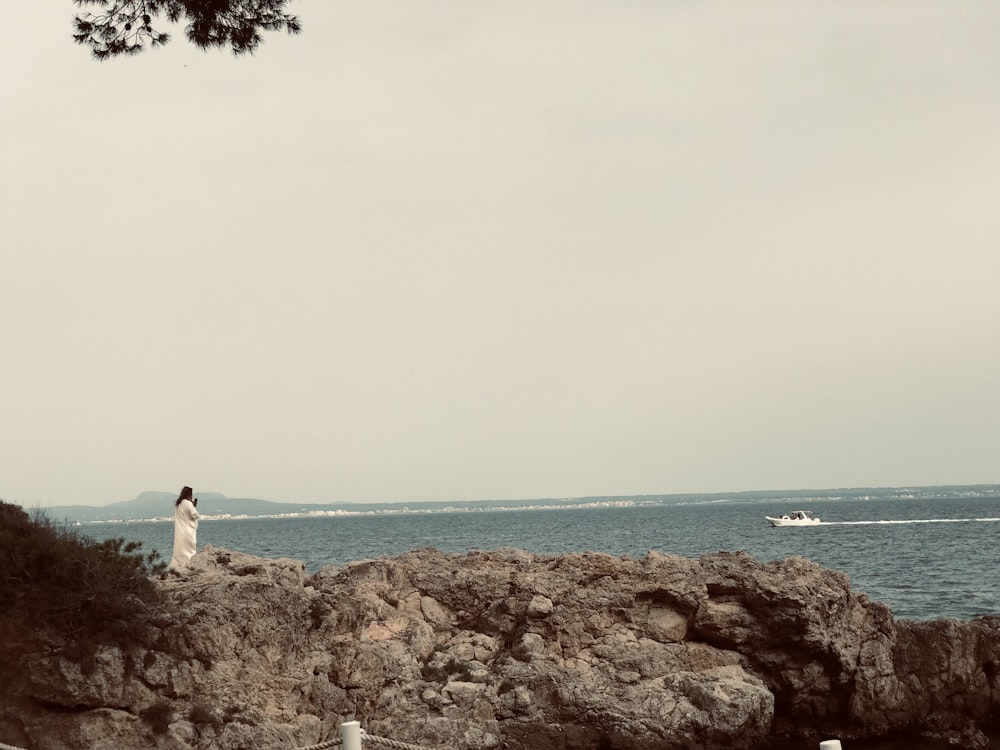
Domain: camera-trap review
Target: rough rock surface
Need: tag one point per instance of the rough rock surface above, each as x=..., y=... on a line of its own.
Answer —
x=506, y=649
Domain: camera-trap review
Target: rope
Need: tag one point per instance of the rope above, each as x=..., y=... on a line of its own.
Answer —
x=365, y=737
x=320, y=746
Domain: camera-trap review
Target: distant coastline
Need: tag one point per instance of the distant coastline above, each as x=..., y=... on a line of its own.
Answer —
x=148, y=507
x=404, y=510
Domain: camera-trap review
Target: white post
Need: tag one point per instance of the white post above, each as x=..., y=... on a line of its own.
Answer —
x=824, y=745
x=350, y=733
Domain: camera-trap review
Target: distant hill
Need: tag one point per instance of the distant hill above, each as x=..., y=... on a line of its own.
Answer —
x=161, y=505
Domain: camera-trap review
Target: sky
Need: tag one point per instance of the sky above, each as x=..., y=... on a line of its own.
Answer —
x=461, y=251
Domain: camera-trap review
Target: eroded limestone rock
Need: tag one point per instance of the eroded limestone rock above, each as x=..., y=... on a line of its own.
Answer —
x=510, y=649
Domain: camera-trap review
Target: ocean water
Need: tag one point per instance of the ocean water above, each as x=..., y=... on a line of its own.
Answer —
x=924, y=557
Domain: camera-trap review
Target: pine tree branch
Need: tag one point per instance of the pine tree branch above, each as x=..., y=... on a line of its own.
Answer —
x=125, y=27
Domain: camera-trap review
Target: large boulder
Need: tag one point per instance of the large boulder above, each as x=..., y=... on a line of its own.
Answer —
x=515, y=650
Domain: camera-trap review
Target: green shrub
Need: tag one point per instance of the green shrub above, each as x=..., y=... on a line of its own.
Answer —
x=61, y=587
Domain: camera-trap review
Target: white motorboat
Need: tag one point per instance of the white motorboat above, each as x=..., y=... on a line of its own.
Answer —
x=795, y=518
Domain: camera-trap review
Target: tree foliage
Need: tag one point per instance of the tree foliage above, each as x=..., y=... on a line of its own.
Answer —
x=125, y=27
x=60, y=587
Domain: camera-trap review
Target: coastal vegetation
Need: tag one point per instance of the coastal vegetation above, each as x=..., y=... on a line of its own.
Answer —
x=64, y=593
x=125, y=27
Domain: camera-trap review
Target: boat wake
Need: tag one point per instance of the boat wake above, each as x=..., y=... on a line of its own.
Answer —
x=910, y=520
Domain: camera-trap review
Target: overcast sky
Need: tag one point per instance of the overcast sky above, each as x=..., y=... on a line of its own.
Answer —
x=459, y=251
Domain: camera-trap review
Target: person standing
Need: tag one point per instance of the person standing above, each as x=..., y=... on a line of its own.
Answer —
x=185, y=529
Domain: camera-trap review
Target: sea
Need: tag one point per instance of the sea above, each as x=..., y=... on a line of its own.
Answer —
x=925, y=557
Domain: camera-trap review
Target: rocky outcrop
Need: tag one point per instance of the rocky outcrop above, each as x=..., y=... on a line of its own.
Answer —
x=506, y=649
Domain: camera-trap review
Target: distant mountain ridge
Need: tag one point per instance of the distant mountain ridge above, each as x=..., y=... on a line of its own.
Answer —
x=152, y=504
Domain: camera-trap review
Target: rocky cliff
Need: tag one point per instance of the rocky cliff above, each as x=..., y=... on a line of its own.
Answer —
x=506, y=649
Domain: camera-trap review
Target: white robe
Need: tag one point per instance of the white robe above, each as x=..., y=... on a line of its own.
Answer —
x=185, y=534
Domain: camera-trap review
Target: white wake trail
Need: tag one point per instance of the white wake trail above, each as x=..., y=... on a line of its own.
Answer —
x=910, y=520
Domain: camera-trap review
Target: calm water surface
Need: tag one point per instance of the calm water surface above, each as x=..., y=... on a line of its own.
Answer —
x=924, y=558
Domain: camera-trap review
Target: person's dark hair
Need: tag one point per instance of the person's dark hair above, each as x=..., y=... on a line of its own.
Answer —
x=186, y=494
